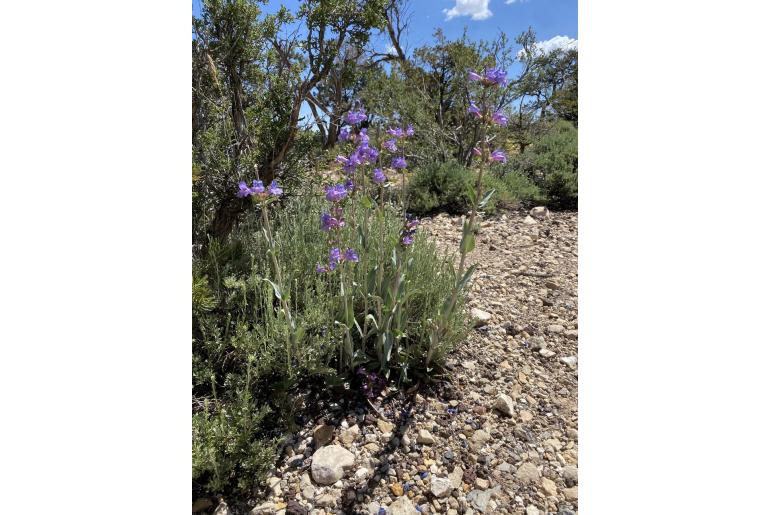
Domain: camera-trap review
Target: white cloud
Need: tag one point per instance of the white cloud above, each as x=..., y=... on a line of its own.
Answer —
x=391, y=50
x=555, y=43
x=514, y=1
x=476, y=9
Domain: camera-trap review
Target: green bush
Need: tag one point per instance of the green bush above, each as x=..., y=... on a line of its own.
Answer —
x=447, y=186
x=244, y=372
x=551, y=163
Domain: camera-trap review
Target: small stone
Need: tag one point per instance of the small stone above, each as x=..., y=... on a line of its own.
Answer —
x=536, y=343
x=540, y=213
x=266, y=508
x=572, y=433
x=572, y=334
x=308, y=492
x=480, y=436
x=440, y=486
x=526, y=415
x=222, y=509
x=402, y=506
x=322, y=435
x=482, y=484
x=479, y=499
x=570, y=475
x=548, y=486
x=571, y=494
x=504, y=467
x=547, y=353
x=532, y=510
x=528, y=472
x=468, y=365
x=570, y=361
x=456, y=477
x=504, y=404
x=556, y=328
x=397, y=489
x=325, y=501
x=329, y=464
x=424, y=437
x=480, y=317
x=384, y=426
x=530, y=221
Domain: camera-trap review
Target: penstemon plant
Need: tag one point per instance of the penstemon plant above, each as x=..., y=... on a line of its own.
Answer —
x=491, y=78
x=383, y=285
x=264, y=197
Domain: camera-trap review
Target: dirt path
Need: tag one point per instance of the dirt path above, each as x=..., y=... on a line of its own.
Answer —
x=453, y=452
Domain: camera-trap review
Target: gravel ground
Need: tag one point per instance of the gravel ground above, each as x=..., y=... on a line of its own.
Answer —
x=502, y=436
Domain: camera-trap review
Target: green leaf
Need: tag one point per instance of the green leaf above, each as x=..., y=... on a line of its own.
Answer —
x=276, y=288
x=486, y=198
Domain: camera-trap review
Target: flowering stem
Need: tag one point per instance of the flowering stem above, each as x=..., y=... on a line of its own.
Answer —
x=277, y=270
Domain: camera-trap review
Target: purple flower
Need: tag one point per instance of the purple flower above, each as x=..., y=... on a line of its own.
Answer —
x=495, y=76
x=349, y=185
x=257, y=188
x=319, y=268
x=398, y=162
x=409, y=130
x=329, y=222
x=412, y=223
x=397, y=132
x=344, y=134
x=364, y=137
x=407, y=240
x=274, y=189
x=351, y=255
x=342, y=160
x=243, y=190
x=390, y=145
x=334, y=258
x=499, y=118
x=476, y=151
x=336, y=193
x=473, y=76
x=353, y=117
x=474, y=110
x=498, y=155
x=378, y=176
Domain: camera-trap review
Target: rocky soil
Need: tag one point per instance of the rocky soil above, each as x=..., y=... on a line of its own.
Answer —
x=502, y=437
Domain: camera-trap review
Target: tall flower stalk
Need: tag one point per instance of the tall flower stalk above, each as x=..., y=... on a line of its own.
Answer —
x=264, y=197
x=490, y=79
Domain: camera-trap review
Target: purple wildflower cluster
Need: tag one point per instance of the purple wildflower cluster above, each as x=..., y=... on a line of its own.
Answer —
x=497, y=117
x=337, y=257
x=258, y=190
x=372, y=383
x=491, y=77
x=407, y=231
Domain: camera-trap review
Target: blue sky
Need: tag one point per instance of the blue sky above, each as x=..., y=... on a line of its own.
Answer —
x=484, y=18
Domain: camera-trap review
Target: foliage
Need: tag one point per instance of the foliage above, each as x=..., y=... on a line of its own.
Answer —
x=552, y=164
x=240, y=368
x=447, y=187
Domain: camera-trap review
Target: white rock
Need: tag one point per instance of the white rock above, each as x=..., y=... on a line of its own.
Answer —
x=528, y=472
x=529, y=220
x=329, y=464
x=504, y=404
x=480, y=317
x=424, y=437
x=540, y=212
x=402, y=506
x=570, y=474
x=547, y=353
x=532, y=510
x=222, y=509
x=570, y=361
x=266, y=508
x=456, y=477
x=440, y=486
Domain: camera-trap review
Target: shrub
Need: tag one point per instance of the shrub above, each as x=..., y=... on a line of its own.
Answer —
x=242, y=369
x=448, y=186
x=551, y=163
